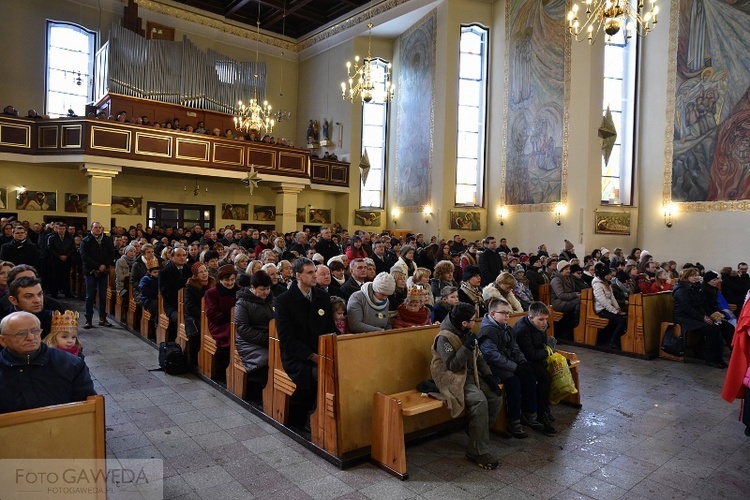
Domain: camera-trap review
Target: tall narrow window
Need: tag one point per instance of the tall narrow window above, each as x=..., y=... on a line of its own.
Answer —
x=70, y=68
x=374, y=130
x=472, y=104
x=620, y=77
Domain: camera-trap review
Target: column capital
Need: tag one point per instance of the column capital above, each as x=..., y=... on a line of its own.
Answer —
x=102, y=171
x=287, y=188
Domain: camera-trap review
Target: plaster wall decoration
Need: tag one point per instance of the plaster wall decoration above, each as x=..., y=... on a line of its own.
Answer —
x=535, y=132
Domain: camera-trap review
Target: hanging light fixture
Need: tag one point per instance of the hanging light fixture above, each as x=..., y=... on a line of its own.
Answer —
x=364, y=88
x=253, y=116
x=611, y=16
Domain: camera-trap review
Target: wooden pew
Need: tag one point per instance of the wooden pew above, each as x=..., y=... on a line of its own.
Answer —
x=591, y=321
x=543, y=295
x=646, y=313
x=73, y=430
x=279, y=389
x=162, y=327
x=236, y=373
x=182, y=338
x=134, y=307
x=207, y=353
x=111, y=292
x=121, y=302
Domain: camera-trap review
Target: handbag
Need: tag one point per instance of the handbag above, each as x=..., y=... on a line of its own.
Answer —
x=562, y=383
x=672, y=344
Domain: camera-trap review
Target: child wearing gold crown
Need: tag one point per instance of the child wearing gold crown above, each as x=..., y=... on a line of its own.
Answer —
x=413, y=311
x=64, y=333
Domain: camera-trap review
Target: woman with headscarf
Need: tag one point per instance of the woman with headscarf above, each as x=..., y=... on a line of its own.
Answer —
x=195, y=289
x=219, y=302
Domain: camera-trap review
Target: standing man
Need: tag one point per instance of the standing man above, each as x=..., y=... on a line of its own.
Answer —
x=325, y=245
x=302, y=315
x=490, y=263
x=61, y=251
x=97, y=253
x=20, y=250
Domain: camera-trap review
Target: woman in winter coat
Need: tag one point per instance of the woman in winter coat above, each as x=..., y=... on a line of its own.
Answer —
x=122, y=269
x=253, y=311
x=503, y=288
x=355, y=250
x=219, y=303
x=367, y=309
x=195, y=289
x=606, y=306
x=691, y=316
x=405, y=262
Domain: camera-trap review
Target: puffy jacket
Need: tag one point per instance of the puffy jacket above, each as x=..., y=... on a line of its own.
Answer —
x=499, y=348
x=563, y=296
x=251, y=317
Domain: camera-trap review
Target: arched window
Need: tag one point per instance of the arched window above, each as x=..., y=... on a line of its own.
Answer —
x=70, y=68
x=472, y=113
x=374, y=134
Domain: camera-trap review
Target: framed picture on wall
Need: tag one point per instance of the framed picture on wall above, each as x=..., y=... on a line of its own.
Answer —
x=320, y=216
x=76, y=202
x=264, y=212
x=39, y=201
x=301, y=212
x=367, y=217
x=235, y=211
x=3, y=198
x=127, y=205
x=466, y=220
x=612, y=223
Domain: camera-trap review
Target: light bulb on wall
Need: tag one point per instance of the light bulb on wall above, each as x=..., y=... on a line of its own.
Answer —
x=559, y=211
x=502, y=213
x=395, y=213
x=427, y=212
x=669, y=210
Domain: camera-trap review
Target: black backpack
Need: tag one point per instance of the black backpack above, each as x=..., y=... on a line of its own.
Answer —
x=171, y=358
x=671, y=344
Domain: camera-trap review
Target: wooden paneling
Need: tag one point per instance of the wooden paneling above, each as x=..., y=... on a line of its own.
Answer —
x=229, y=154
x=192, y=149
x=47, y=137
x=261, y=157
x=153, y=144
x=71, y=136
x=15, y=134
x=108, y=139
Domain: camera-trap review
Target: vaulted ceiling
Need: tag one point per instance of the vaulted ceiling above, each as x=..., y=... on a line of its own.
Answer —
x=293, y=18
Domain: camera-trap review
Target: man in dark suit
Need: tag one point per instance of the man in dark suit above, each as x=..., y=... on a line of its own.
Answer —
x=98, y=253
x=20, y=250
x=490, y=263
x=61, y=250
x=325, y=245
x=383, y=261
x=302, y=315
x=171, y=279
x=358, y=275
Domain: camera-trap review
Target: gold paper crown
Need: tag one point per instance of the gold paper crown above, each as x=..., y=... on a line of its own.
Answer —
x=67, y=321
x=416, y=292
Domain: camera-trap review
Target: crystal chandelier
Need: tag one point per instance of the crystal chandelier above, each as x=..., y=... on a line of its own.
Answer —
x=364, y=88
x=253, y=116
x=611, y=16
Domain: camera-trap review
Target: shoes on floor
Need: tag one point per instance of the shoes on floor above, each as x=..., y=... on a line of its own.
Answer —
x=515, y=430
x=104, y=322
x=485, y=461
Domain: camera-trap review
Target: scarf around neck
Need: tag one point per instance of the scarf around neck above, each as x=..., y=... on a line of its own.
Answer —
x=474, y=293
x=378, y=306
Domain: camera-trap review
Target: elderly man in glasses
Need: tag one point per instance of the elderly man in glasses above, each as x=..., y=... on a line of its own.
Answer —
x=33, y=374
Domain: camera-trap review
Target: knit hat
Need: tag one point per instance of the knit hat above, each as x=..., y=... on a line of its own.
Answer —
x=384, y=284
x=318, y=258
x=406, y=249
x=568, y=246
x=604, y=251
x=601, y=270
x=470, y=272
x=226, y=271
x=562, y=264
x=519, y=269
x=524, y=257
x=195, y=267
x=533, y=260
x=644, y=254
x=709, y=276
x=574, y=268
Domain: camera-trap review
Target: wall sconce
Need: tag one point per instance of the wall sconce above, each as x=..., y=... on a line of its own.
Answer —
x=196, y=189
x=669, y=210
x=559, y=211
x=427, y=212
x=395, y=213
x=502, y=212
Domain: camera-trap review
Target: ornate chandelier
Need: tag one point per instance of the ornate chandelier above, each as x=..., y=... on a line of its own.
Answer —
x=252, y=116
x=364, y=76
x=611, y=16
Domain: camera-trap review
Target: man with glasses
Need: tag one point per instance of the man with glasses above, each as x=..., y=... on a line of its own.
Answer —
x=33, y=374
x=497, y=342
x=466, y=382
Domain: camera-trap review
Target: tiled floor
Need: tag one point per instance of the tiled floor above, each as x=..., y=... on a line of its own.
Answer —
x=648, y=429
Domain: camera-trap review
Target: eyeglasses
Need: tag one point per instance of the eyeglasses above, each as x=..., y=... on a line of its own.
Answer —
x=22, y=334
x=504, y=313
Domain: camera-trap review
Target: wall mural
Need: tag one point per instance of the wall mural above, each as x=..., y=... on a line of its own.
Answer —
x=711, y=136
x=537, y=68
x=415, y=95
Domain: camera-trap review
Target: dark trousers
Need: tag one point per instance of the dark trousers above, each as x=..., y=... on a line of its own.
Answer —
x=520, y=393
x=618, y=325
x=59, y=272
x=543, y=383
x=713, y=343
x=96, y=286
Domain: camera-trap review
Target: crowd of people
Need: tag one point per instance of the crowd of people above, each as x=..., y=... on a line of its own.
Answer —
x=331, y=281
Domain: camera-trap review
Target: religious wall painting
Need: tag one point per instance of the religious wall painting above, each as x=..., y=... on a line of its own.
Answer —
x=127, y=205
x=415, y=97
x=535, y=102
x=320, y=216
x=301, y=212
x=35, y=200
x=711, y=106
x=367, y=218
x=3, y=198
x=465, y=220
x=612, y=223
x=235, y=211
x=76, y=202
x=264, y=212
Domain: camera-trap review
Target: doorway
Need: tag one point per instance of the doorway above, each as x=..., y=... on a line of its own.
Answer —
x=178, y=215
